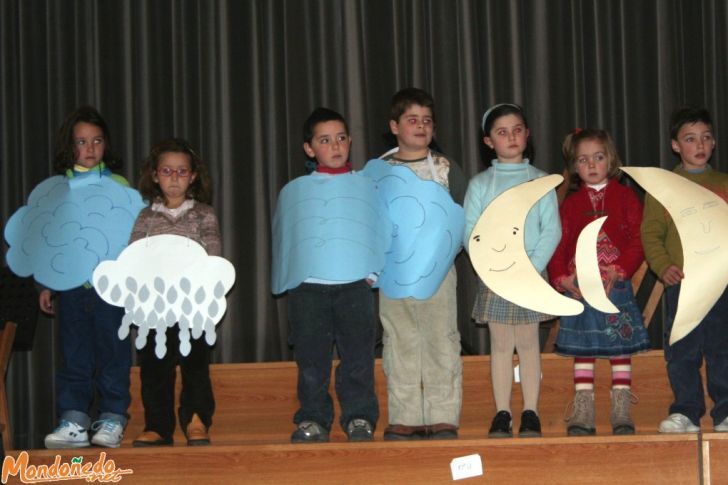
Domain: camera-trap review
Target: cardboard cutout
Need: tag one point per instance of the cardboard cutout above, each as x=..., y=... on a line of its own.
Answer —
x=701, y=219
x=68, y=227
x=587, y=268
x=333, y=228
x=162, y=280
x=497, y=251
x=427, y=233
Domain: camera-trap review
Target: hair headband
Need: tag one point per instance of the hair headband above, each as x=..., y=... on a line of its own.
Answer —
x=490, y=110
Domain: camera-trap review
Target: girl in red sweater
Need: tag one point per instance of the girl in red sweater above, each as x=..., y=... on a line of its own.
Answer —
x=593, y=163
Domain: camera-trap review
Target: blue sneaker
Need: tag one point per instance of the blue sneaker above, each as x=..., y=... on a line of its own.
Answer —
x=67, y=435
x=109, y=433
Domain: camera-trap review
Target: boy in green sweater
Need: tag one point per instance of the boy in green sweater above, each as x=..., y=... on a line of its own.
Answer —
x=691, y=131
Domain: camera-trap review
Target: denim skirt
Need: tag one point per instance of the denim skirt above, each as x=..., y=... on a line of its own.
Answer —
x=596, y=334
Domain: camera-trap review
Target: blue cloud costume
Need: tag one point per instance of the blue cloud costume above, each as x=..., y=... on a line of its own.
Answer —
x=70, y=225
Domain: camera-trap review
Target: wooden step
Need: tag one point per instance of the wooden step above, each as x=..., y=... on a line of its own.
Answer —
x=593, y=460
x=255, y=403
x=253, y=423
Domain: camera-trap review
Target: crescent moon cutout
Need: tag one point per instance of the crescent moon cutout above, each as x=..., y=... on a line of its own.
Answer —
x=587, y=268
x=701, y=219
x=498, y=254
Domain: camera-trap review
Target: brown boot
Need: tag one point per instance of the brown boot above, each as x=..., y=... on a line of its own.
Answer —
x=622, y=400
x=581, y=420
x=197, y=432
x=151, y=438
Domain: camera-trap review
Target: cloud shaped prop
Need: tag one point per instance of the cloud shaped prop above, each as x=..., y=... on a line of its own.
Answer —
x=164, y=279
x=68, y=227
x=428, y=229
x=329, y=227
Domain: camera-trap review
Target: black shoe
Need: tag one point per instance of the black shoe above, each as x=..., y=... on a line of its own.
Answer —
x=310, y=432
x=359, y=430
x=501, y=427
x=530, y=425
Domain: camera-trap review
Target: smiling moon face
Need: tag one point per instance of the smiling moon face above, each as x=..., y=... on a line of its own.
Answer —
x=497, y=250
x=701, y=219
x=587, y=268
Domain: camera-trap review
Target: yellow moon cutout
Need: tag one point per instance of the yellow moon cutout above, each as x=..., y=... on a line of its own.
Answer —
x=587, y=268
x=701, y=219
x=498, y=254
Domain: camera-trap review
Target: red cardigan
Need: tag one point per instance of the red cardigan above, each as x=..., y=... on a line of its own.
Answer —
x=622, y=226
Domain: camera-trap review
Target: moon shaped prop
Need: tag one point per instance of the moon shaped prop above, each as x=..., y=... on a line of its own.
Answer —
x=497, y=250
x=587, y=268
x=701, y=219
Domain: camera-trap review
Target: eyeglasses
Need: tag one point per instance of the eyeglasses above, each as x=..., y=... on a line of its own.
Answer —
x=167, y=172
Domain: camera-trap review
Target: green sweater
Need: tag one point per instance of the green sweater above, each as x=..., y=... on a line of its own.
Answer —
x=660, y=238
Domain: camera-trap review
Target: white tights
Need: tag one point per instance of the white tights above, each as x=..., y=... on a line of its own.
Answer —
x=504, y=339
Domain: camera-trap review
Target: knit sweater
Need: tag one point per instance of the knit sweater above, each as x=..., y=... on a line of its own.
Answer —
x=621, y=228
x=447, y=172
x=660, y=238
x=199, y=223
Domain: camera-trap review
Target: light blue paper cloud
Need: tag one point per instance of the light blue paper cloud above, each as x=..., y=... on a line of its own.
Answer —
x=68, y=227
x=428, y=228
x=328, y=227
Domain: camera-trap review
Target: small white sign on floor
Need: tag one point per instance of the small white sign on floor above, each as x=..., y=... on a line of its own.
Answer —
x=466, y=467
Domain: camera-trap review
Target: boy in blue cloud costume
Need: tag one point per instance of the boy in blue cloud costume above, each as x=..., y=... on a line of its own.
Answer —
x=421, y=356
x=330, y=216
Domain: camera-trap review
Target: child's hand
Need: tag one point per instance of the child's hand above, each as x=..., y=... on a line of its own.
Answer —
x=569, y=284
x=45, y=301
x=612, y=276
x=672, y=275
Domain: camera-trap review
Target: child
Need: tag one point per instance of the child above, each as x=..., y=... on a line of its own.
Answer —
x=421, y=354
x=505, y=132
x=691, y=131
x=323, y=313
x=177, y=184
x=592, y=161
x=94, y=359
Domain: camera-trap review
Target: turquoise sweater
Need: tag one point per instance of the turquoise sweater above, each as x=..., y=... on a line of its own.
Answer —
x=543, y=226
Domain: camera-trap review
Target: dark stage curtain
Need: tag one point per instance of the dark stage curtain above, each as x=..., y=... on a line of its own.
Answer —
x=238, y=77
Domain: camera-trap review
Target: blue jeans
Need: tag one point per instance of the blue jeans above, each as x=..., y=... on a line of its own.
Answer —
x=708, y=340
x=94, y=359
x=321, y=316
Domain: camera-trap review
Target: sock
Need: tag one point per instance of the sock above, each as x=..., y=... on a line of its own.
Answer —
x=584, y=373
x=621, y=372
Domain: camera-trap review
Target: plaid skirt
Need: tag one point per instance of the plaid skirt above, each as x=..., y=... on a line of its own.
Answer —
x=490, y=307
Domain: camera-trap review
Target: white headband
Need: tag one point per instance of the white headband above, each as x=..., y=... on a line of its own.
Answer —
x=490, y=110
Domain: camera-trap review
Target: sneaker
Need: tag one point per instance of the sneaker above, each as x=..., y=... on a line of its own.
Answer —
x=359, y=430
x=402, y=432
x=109, y=433
x=722, y=427
x=530, y=425
x=67, y=435
x=443, y=431
x=310, y=432
x=678, y=423
x=501, y=426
